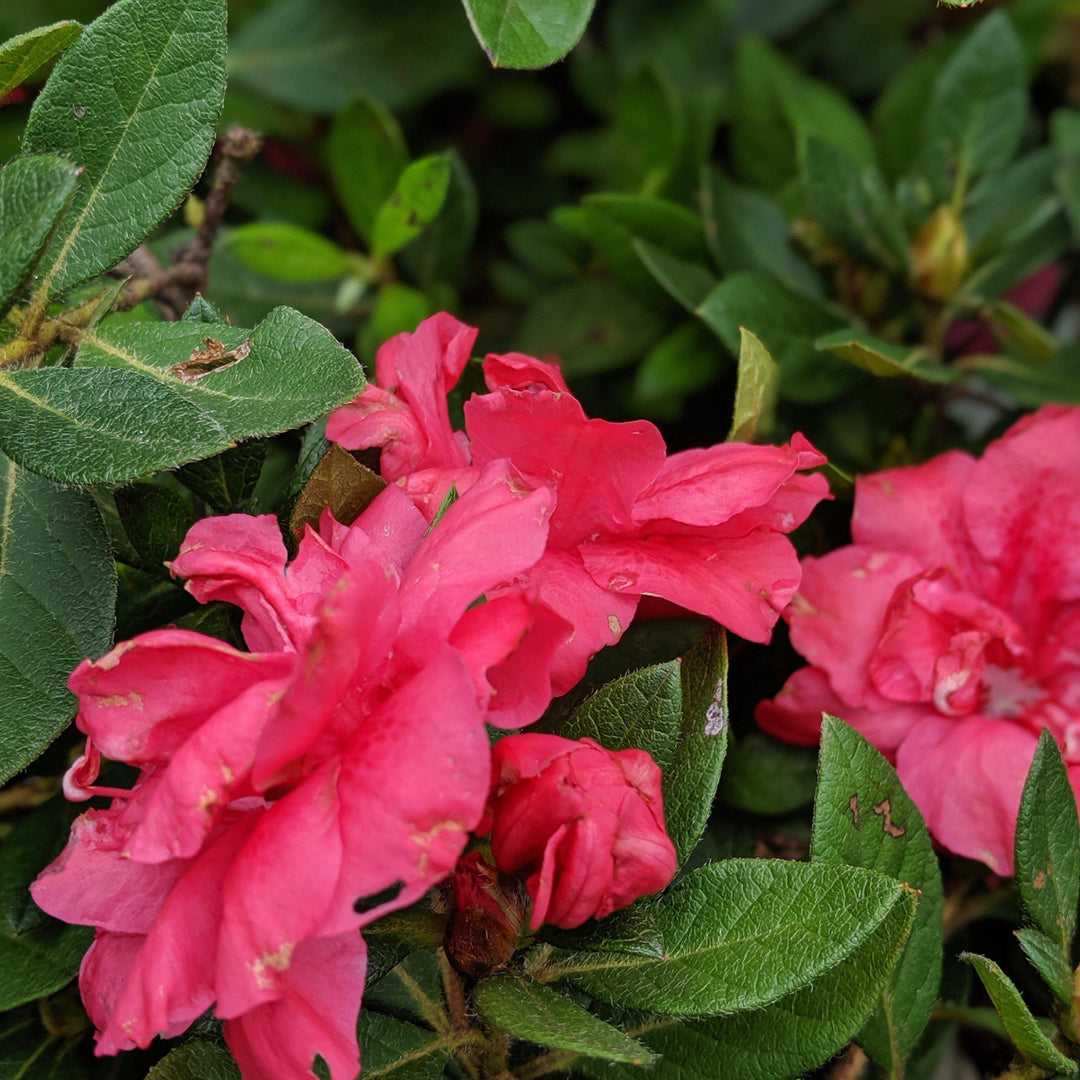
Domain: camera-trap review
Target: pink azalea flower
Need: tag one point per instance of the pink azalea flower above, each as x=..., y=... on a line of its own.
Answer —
x=344, y=760
x=949, y=632
x=583, y=825
x=704, y=529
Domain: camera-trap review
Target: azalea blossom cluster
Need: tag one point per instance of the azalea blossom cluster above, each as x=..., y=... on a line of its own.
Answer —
x=291, y=794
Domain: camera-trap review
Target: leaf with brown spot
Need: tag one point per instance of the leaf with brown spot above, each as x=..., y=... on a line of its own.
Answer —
x=339, y=482
x=213, y=356
x=883, y=810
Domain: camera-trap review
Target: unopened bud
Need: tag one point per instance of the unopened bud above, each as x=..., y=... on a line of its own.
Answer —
x=487, y=919
x=939, y=255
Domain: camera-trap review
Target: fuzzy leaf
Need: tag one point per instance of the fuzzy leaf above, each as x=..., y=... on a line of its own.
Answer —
x=134, y=102
x=196, y=1060
x=400, y=1050
x=24, y=54
x=57, y=595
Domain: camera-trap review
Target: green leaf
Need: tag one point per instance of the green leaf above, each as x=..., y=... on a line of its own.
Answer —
x=196, y=1060
x=863, y=817
x=730, y=939
x=1046, y=957
x=33, y=194
x=156, y=520
x=787, y=325
x=134, y=102
x=853, y=205
x=786, y=1039
x=401, y=1050
x=227, y=480
x=319, y=54
x=883, y=358
x=1021, y=334
x=1048, y=847
x=679, y=364
x=685, y=281
x=29, y=1052
x=1023, y=1029
x=366, y=153
x=391, y=938
x=755, y=390
x=765, y=776
x=976, y=116
x=747, y=230
x=528, y=33
x=287, y=252
x=125, y=410
x=57, y=595
x=21, y=56
x=39, y=955
x=530, y=1011
x=414, y=203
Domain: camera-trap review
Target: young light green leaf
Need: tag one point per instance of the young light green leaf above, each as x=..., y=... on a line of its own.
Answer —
x=57, y=595
x=1023, y=1029
x=1021, y=334
x=38, y=954
x=196, y=1060
x=1045, y=956
x=784, y=1040
x=400, y=1050
x=33, y=194
x=763, y=775
x=134, y=102
x=756, y=388
x=24, y=54
x=366, y=153
x=863, y=817
x=149, y=396
x=528, y=33
x=882, y=358
x=976, y=116
x=731, y=942
x=415, y=202
x=528, y=1010
x=1048, y=847
x=287, y=252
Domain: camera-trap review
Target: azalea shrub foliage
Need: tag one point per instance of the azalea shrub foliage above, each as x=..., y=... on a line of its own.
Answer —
x=538, y=541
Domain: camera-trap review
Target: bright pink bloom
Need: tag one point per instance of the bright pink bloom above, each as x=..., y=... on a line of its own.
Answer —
x=584, y=826
x=704, y=529
x=949, y=632
x=346, y=760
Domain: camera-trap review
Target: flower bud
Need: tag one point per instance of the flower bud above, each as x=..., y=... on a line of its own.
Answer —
x=584, y=826
x=939, y=255
x=488, y=914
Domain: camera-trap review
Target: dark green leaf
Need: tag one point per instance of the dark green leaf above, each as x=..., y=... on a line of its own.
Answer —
x=287, y=252
x=156, y=521
x=38, y=954
x=146, y=396
x=414, y=203
x=134, y=102
x=681, y=363
x=366, y=153
x=29, y=1052
x=765, y=776
x=979, y=107
x=227, y=480
x=33, y=194
x=196, y=1060
x=319, y=54
x=1048, y=847
x=57, y=594
x=391, y=938
x=684, y=281
x=527, y=1010
x=731, y=941
x=1023, y=1029
x=756, y=389
x=863, y=817
x=528, y=33
x=1046, y=957
x=21, y=56
x=402, y=1051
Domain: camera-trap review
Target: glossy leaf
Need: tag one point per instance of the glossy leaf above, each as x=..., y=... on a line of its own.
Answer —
x=57, y=594
x=730, y=942
x=134, y=102
x=148, y=396
x=528, y=1010
x=863, y=817
x=414, y=203
x=528, y=33
x=38, y=954
x=287, y=252
x=1048, y=847
x=23, y=55
x=34, y=192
